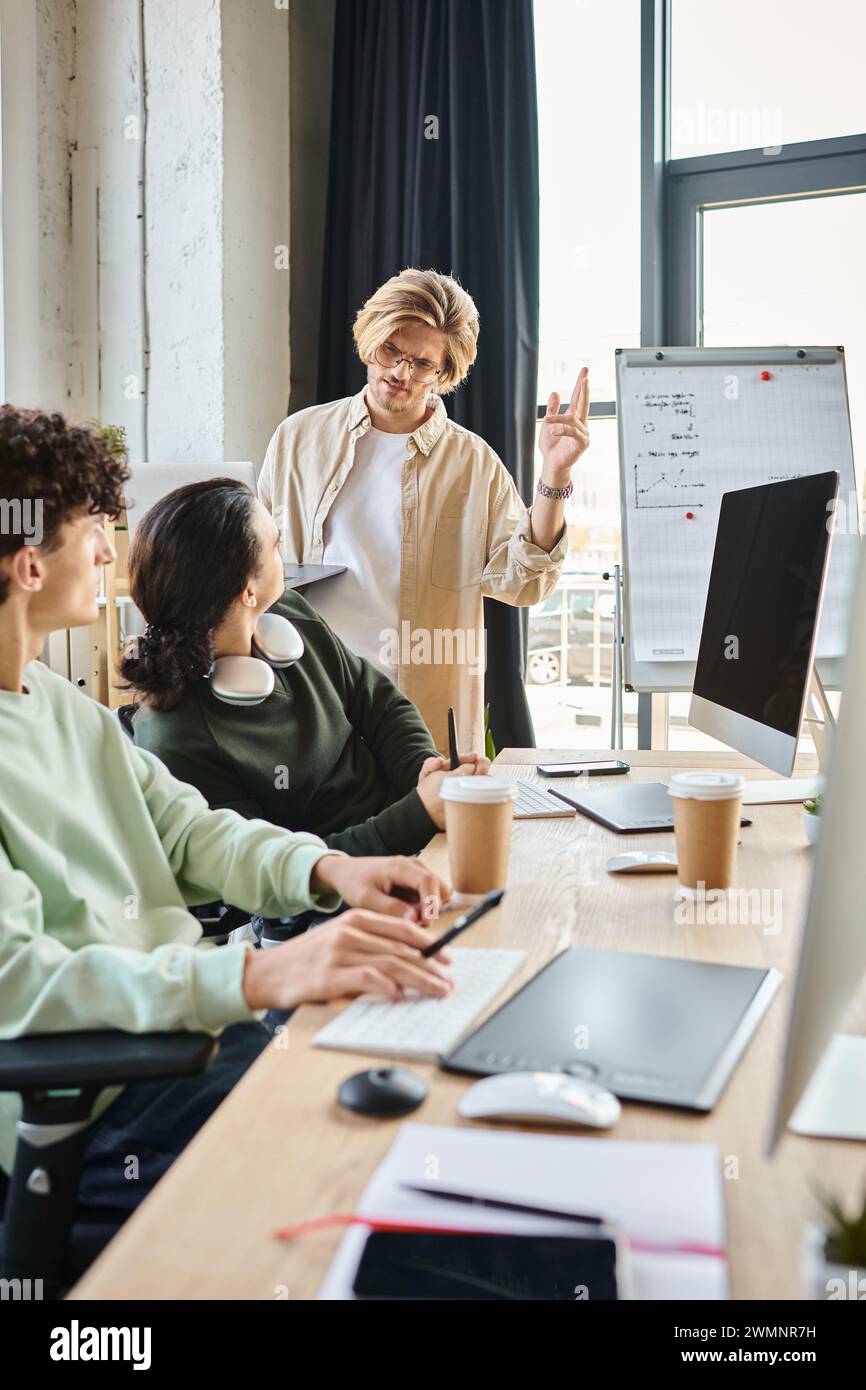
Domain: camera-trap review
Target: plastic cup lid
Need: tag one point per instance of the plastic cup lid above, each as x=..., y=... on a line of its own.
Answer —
x=706, y=786
x=481, y=790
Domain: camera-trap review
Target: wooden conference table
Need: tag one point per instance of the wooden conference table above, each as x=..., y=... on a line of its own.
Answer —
x=281, y=1151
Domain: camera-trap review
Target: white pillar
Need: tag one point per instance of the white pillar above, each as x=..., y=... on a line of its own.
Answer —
x=19, y=268
x=162, y=208
x=184, y=192
x=255, y=42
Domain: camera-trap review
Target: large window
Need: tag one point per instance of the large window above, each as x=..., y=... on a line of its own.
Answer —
x=703, y=180
x=588, y=77
x=792, y=271
x=588, y=72
x=750, y=74
x=764, y=230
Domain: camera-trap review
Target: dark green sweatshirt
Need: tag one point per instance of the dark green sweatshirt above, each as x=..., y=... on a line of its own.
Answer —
x=335, y=750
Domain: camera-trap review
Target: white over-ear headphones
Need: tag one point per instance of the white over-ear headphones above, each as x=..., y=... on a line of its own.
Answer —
x=248, y=680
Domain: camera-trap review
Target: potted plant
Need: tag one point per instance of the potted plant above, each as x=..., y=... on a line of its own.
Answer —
x=834, y=1253
x=812, y=817
x=114, y=436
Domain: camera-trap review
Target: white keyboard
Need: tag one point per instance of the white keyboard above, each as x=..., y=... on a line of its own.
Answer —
x=773, y=791
x=533, y=802
x=419, y=1026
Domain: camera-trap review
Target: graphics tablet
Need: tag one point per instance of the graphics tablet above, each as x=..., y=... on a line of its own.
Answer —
x=641, y=806
x=649, y=1028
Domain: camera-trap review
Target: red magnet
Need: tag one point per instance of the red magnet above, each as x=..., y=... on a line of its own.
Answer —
x=690, y=516
x=766, y=376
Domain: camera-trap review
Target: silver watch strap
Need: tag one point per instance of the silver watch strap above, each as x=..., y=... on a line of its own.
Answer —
x=556, y=494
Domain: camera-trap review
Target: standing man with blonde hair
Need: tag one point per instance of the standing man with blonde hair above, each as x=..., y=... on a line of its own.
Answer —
x=421, y=511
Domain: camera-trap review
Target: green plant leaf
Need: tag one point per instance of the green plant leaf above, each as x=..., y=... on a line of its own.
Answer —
x=114, y=437
x=489, y=745
x=846, y=1235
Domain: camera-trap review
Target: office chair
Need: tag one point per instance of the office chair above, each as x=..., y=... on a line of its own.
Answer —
x=126, y=714
x=44, y=1234
x=273, y=931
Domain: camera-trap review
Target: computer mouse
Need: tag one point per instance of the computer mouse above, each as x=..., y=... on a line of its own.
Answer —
x=548, y=1097
x=642, y=861
x=383, y=1091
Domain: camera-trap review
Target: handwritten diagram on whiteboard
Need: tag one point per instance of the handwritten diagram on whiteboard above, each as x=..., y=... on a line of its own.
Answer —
x=688, y=434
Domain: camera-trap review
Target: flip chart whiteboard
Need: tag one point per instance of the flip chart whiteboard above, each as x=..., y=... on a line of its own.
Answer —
x=695, y=423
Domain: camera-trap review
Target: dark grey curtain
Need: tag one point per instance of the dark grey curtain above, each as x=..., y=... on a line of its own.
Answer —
x=434, y=163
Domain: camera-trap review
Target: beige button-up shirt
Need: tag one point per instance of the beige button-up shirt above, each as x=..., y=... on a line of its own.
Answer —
x=465, y=535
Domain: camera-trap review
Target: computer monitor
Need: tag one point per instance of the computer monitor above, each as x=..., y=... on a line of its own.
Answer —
x=151, y=481
x=833, y=949
x=761, y=618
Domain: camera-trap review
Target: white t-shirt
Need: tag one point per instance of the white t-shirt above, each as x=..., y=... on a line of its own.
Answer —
x=362, y=532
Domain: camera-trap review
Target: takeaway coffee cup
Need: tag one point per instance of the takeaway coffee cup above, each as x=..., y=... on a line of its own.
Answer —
x=478, y=815
x=707, y=808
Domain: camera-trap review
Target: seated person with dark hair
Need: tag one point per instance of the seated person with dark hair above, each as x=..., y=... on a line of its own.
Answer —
x=335, y=749
x=102, y=851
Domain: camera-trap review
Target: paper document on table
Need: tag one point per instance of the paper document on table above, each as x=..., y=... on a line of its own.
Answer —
x=653, y=1193
x=692, y=433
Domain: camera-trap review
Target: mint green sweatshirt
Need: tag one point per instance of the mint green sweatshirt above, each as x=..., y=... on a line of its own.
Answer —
x=101, y=852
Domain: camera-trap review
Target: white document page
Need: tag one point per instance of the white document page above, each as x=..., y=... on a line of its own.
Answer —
x=655, y=1193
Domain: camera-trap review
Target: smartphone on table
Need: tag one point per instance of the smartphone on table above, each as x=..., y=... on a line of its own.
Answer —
x=589, y=767
x=479, y=1265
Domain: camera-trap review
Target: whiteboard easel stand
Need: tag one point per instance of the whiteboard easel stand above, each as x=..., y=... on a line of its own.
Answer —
x=616, y=708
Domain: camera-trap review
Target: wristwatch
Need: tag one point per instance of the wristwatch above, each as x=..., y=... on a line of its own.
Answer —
x=556, y=494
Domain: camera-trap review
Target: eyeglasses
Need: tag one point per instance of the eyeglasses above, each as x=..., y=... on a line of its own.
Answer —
x=420, y=369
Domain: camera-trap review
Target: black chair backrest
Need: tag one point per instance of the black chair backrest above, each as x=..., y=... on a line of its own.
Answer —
x=126, y=714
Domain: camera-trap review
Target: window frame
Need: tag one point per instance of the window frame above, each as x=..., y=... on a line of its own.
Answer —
x=814, y=169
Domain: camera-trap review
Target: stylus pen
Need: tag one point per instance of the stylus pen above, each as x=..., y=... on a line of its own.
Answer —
x=467, y=920
x=500, y=1204
x=452, y=741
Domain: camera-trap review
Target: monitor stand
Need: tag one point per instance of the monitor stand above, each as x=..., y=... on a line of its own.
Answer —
x=822, y=720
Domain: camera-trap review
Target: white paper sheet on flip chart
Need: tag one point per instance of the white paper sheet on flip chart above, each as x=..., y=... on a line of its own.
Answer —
x=692, y=433
x=669, y=1193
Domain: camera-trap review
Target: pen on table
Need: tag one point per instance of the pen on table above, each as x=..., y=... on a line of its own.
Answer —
x=468, y=919
x=659, y=1247
x=500, y=1204
x=452, y=741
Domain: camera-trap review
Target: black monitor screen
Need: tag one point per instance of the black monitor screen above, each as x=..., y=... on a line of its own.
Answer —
x=762, y=602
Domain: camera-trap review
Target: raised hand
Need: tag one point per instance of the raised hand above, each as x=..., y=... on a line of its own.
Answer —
x=563, y=438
